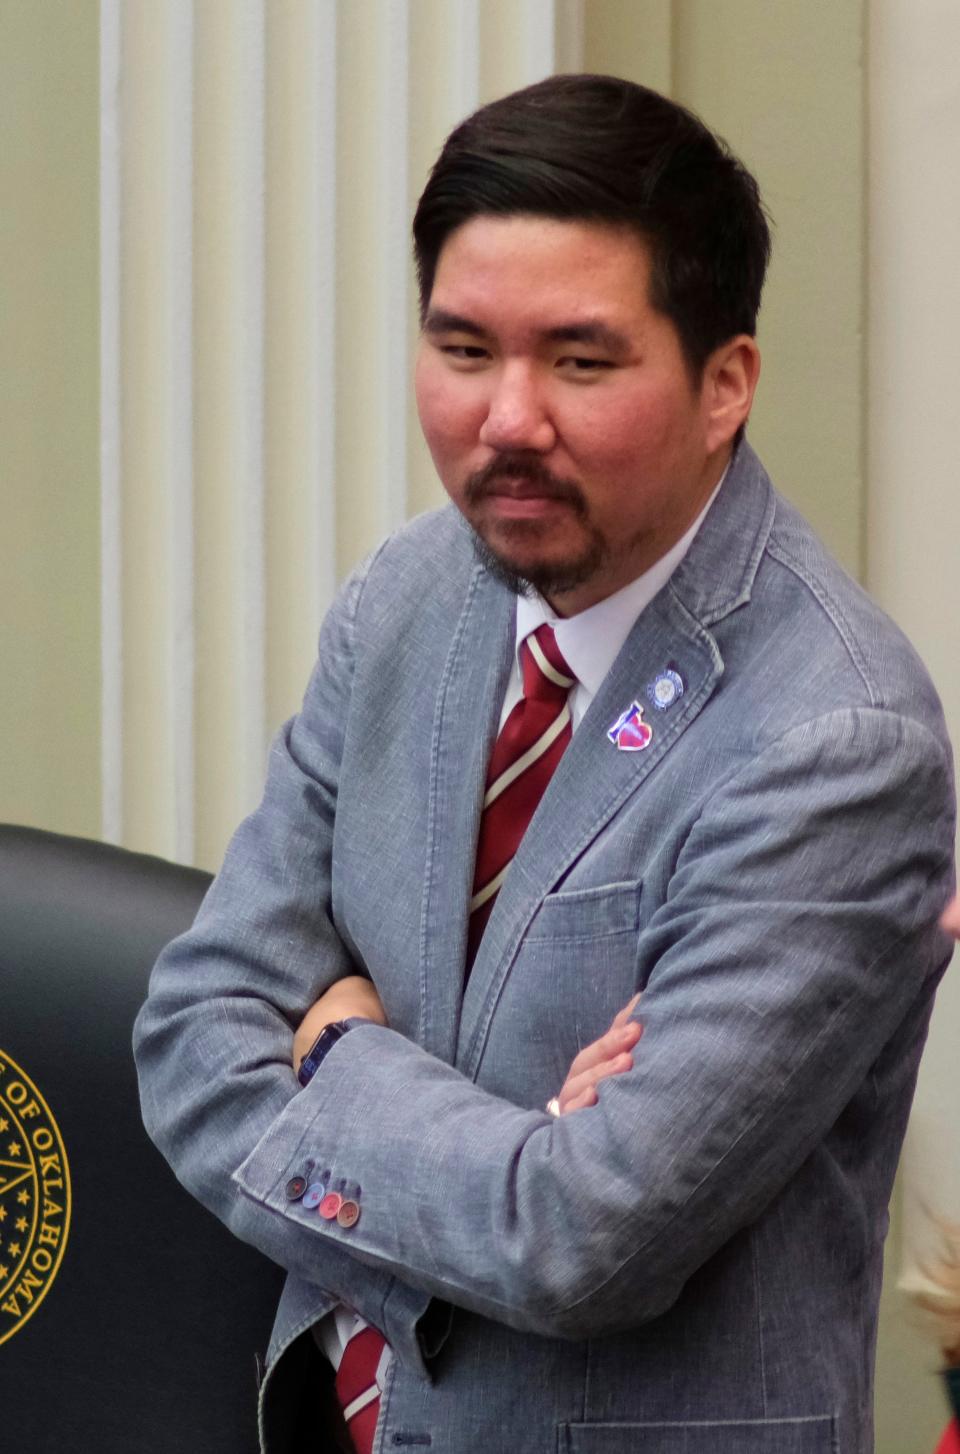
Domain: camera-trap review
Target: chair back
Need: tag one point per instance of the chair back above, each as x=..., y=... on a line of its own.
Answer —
x=136, y=1327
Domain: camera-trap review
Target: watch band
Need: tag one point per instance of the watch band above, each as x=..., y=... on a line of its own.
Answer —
x=952, y=1376
x=320, y=1049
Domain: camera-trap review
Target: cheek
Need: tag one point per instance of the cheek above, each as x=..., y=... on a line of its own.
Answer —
x=649, y=429
x=612, y=442
x=449, y=417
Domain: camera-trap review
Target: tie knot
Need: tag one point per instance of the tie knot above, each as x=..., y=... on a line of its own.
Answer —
x=546, y=676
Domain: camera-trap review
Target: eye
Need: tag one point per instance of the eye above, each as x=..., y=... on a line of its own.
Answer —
x=464, y=352
x=579, y=364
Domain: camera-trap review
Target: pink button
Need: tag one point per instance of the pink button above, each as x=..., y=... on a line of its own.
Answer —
x=330, y=1205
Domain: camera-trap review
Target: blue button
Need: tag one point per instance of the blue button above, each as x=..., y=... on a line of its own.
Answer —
x=314, y=1195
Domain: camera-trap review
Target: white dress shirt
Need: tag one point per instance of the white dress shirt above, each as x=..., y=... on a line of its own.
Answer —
x=590, y=641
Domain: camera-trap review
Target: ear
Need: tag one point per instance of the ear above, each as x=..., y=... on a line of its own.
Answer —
x=729, y=382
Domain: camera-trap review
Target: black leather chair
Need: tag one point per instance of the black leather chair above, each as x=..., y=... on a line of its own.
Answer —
x=146, y=1339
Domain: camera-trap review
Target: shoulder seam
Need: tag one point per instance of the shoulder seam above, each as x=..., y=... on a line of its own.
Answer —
x=831, y=608
x=807, y=724
x=362, y=574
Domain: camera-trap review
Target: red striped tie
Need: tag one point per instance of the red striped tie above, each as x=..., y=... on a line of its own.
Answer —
x=531, y=743
x=358, y=1391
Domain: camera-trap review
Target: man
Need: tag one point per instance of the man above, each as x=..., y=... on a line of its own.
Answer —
x=612, y=723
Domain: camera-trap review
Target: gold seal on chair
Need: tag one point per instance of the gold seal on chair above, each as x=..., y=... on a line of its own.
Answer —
x=34, y=1198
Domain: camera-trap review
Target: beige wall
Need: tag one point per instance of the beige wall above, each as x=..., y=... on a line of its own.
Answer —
x=784, y=85
x=911, y=1408
x=49, y=473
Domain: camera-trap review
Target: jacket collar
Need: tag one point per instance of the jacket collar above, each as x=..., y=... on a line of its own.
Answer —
x=717, y=573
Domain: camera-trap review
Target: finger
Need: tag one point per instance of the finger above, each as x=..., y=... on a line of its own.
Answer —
x=617, y=1038
x=615, y=1065
x=586, y=1098
x=574, y=1098
x=622, y=1016
x=575, y=1085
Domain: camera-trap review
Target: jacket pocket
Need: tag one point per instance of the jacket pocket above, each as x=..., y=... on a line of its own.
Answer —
x=750, y=1436
x=580, y=956
x=575, y=967
x=594, y=913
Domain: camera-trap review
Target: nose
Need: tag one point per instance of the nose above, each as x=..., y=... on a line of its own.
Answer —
x=517, y=417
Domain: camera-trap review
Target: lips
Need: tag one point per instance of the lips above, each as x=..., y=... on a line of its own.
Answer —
x=524, y=504
x=522, y=490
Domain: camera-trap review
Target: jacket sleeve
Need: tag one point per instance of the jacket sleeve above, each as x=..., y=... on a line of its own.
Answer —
x=799, y=933
x=214, y=1040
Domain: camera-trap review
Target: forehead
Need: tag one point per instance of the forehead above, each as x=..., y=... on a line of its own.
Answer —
x=523, y=265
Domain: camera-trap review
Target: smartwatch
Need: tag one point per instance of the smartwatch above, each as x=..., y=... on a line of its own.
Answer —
x=952, y=1377
x=320, y=1049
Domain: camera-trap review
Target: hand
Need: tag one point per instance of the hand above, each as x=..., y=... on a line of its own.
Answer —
x=610, y=1055
x=352, y=995
x=951, y=917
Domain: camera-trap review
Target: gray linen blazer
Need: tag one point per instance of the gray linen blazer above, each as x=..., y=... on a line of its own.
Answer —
x=694, y=1263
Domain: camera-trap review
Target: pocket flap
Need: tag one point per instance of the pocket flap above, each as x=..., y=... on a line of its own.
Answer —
x=588, y=913
x=751, y=1436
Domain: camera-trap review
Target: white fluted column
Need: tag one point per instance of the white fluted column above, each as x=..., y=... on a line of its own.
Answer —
x=259, y=166
x=230, y=523
x=300, y=387
x=146, y=423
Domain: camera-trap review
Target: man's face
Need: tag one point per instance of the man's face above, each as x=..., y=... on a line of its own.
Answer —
x=558, y=408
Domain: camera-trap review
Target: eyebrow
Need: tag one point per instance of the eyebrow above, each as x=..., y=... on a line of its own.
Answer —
x=439, y=321
x=600, y=335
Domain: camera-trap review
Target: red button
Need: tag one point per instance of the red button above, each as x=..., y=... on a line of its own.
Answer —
x=330, y=1206
x=349, y=1214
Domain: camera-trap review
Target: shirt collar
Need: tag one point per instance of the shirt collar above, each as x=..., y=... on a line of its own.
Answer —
x=590, y=641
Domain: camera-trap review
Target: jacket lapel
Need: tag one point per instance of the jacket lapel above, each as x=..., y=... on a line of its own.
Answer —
x=592, y=782
x=465, y=724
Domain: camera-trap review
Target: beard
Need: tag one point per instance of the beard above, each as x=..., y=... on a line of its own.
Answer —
x=523, y=577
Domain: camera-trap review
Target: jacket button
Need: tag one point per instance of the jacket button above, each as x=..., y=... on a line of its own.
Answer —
x=295, y=1188
x=349, y=1214
x=330, y=1205
x=314, y=1195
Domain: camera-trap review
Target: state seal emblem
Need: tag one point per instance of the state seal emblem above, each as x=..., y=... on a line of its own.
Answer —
x=34, y=1198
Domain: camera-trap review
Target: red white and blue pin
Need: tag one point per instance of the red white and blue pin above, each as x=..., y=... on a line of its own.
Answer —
x=630, y=733
x=665, y=689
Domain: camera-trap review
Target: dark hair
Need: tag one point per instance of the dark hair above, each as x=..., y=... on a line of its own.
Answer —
x=601, y=149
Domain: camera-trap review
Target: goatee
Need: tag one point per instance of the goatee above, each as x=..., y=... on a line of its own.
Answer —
x=551, y=578
x=547, y=580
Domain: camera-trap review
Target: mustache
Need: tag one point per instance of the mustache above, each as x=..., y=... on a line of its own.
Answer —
x=513, y=469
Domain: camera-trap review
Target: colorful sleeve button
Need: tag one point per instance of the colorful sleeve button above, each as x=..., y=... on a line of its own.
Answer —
x=314, y=1195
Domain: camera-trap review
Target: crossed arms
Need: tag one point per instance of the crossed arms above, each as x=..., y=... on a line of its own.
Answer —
x=611, y=1054
x=777, y=974
x=793, y=938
